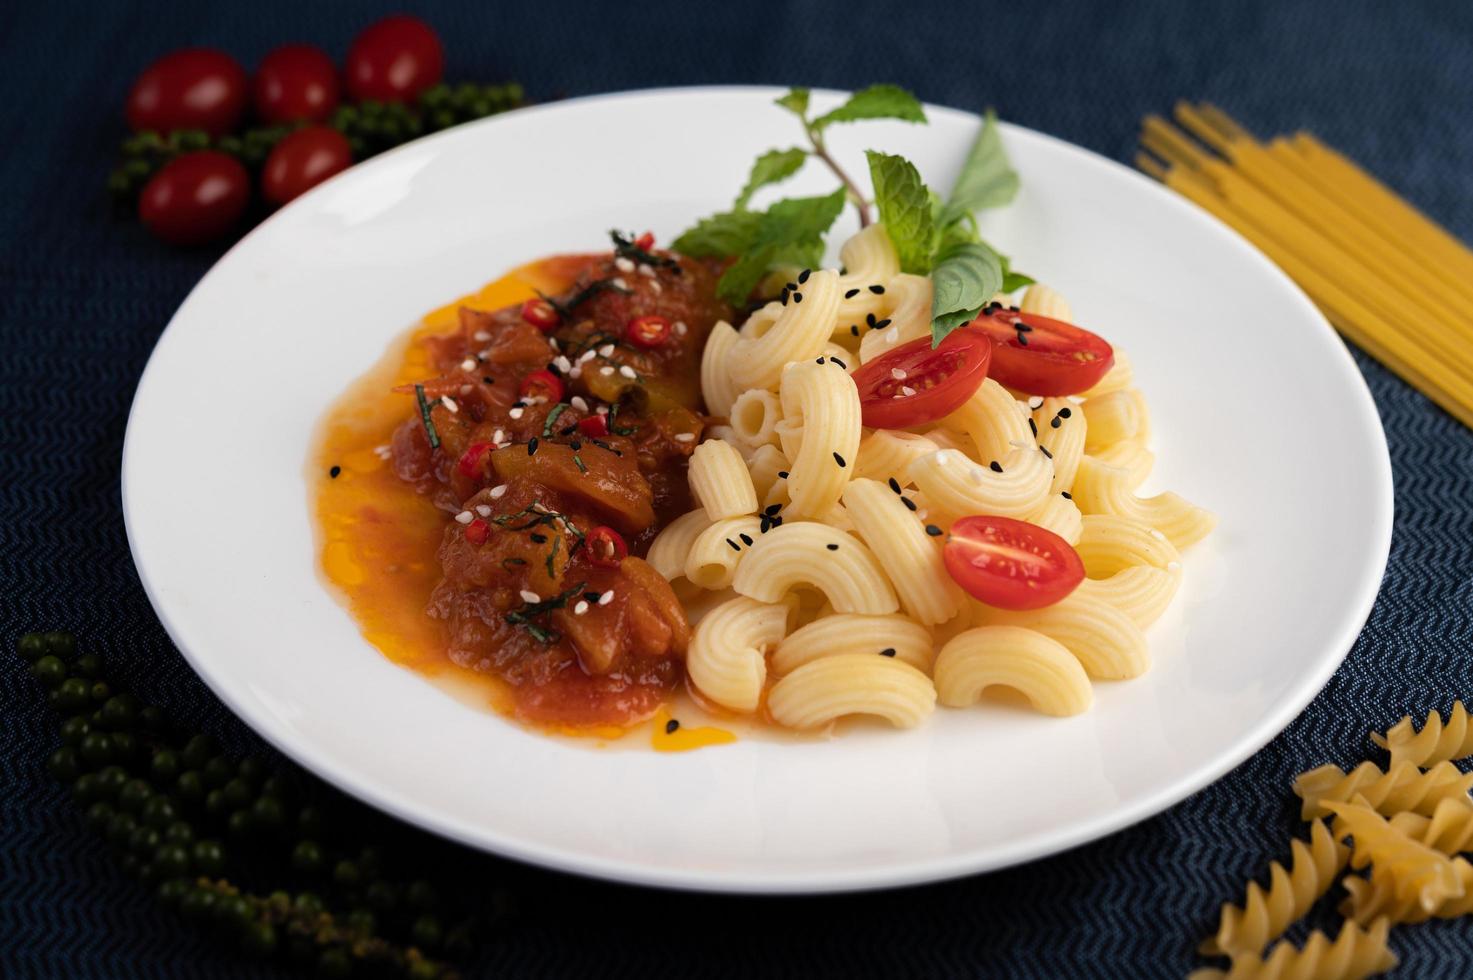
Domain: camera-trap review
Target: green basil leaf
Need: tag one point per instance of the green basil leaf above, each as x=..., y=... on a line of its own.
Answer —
x=905, y=209
x=1014, y=281
x=796, y=102
x=987, y=180
x=727, y=233
x=771, y=167
x=964, y=280
x=875, y=102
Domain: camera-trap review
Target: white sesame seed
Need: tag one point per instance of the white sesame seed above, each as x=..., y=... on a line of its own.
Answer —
x=1173, y=566
x=484, y=354
x=1157, y=535
x=976, y=475
x=602, y=410
x=655, y=287
x=619, y=282
x=449, y=404
x=587, y=355
x=580, y=608
x=516, y=413
x=607, y=350
x=577, y=371
x=1075, y=399
x=921, y=514
x=645, y=270
x=907, y=390
x=483, y=509
x=605, y=370
x=897, y=374
x=577, y=402
x=685, y=437
x=1035, y=402
x=465, y=517
x=606, y=598
x=680, y=328
x=623, y=264
x=529, y=596
x=469, y=364
x=496, y=492
x=552, y=342
x=480, y=336
x=562, y=363
x=498, y=436
x=892, y=335
x=627, y=371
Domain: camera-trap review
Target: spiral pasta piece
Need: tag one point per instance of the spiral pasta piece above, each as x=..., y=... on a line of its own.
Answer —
x=1449, y=829
x=1102, y=489
x=726, y=659
x=1355, y=954
x=672, y=545
x=829, y=688
x=898, y=636
x=1046, y=301
x=1063, y=442
x=1402, y=787
x=1115, y=417
x=717, y=388
x=1416, y=872
x=797, y=555
x=1016, y=486
x=1105, y=641
x=1039, y=668
x=781, y=333
x=716, y=552
x=885, y=454
x=1266, y=913
x=1438, y=741
x=1374, y=897
x=909, y=555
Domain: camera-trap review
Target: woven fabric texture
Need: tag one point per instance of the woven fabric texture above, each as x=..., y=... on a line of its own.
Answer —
x=83, y=298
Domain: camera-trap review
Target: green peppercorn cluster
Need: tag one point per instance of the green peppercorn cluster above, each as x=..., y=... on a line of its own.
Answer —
x=181, y=815
x=371, y=127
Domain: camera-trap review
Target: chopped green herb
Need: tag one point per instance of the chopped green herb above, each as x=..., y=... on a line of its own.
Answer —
x=551, y=554
x=566, y=307
x=424, y=416
x=552, y=415
x=579, y=461
x=624, y=246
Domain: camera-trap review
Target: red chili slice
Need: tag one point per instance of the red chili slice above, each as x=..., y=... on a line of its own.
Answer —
x=542, y=384
x=647, y=331
x=477, y=531
x=594, y=426
x=1043, y=356
x=915, y=383
x=606, y=547
x=541, y=314
x=645, y=242
x=472, y=463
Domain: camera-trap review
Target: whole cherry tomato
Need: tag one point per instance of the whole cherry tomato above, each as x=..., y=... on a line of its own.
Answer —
x=296, y=82
x=394, y=60
x=303, y=160
x=194, y=88
x=195, y=198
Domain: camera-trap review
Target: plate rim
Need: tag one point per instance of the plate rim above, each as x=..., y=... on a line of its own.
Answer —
x=898, y=874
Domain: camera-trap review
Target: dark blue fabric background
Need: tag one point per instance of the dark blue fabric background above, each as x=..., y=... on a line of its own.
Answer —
x=83, y=298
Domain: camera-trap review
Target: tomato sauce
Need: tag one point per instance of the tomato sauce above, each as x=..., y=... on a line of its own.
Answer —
x=455, y=499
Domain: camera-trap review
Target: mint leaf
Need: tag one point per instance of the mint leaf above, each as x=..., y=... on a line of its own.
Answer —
x=875, y=102
x=727, y=233
x=987, y=180
x=771, y=167
x=1014, y=281
x=796, y=102
x=790, y=230
x=905, y=209
x=965, y=278
x=738, y=281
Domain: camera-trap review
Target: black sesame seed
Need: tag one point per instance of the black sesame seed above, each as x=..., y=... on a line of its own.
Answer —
x=1045, y=451
x=777, y=521
x=488, y=380
x=803, y=276
x=1033, y=427
x=1064, y=413
x=839, y=362
x=797, y=297
x=995, y=466
x=840, y=460
x=568, y=430
x=782, y=474
x=1023, y=339
x=909, y=504
x=746, y=538
x=1066, y=495
x=784, y=296
x=933, y=530
x=772, y=508
x=671, y=726
x=1054, y=422
x=869, y=319
x=854, y=329
x=888, y=652
x=575, y=445
x=819, y=361
x=1015, y=309
x=764, y=524
x=850, y=294
x=532, y=447
x=894, y=484
x=881, y=324
x=592, y=596
x=1022, y=327
x=832, y=547
x=877, y=289
x=734, y=545
x=538, y=538
x=552, y=368
x=334, y=472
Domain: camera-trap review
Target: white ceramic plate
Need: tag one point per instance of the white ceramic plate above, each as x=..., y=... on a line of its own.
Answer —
x=1259, y=413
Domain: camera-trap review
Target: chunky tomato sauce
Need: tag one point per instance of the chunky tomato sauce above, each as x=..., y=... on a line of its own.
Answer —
x=481, y=510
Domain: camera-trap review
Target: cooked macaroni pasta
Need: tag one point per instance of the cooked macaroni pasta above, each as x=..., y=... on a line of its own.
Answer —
x=720, y=481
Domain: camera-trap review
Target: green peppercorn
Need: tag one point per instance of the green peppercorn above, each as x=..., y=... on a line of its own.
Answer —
x=381, y=896
x=237, y=793
x=421, y=894
x=359, y=146
x=100, y=692
x=308, y=903
x=61, y=644
x=267, y=814
x=251, y=769
x=158, y=812
x=215, y=803
x=152, y=718
x=198, y=750
x=229, y=144
x=99, y=813
x=334, y=963
x=179, y=832
x=190, y=788
x=235, y=912
x=164, y=766
x=346, y=873
x=172, y=891
x=73, y=729
x=309, y=821
x=125, y=746
x=218, y=771
x=193, y=139
x=434, y=95
x=31, y=647
x=119, y=185
x=422, y=970
x=120, y=712
x=197, y=903
x=307, y=856
x=64, y=765
x=426, y=931
x=239, y=823
x=73, y=694
x=96, y=749
x=87, y=788
x=443, y=118
x=171, y=860
x=50, y=671
x=277, y=786
x=259, y=939
x=112, y=779
x=130, y=865
x=88, y=665
x=208, y=857
x=134, y=794
x=361, y=921
x=144, y=841
x=120, y=827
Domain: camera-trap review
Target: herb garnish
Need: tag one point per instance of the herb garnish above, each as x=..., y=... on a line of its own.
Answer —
x=566, y=307
x=552, y=415
x=932, y=236
x=613, y=423
x=551, y=554
x=625, y=248
x=523, y=617
x=424, y=416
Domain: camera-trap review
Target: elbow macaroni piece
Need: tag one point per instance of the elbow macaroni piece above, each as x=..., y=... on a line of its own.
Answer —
x=1119, y=376
x=797, y=555
x=717, y=388
x=754, y=417
x=910, y=556
x=819, y=432
x=672, y=545
x=1114, y=417
x=1131, y=566
x=996, y=422
x=829, y=688
x=1045, y=301
x=764, y=465
x=869, y=259
x=1039, y=668
x=1060, y=516
x=783, y=333
x=885, y=454
x=716, y=552
x=1065, y=441
x=954, y=486
x=1130, y=455
x=1102, y=489
x=841, y=633
x=1106, y=642
x=908, y=309
x=720, y=481
x=726, y=660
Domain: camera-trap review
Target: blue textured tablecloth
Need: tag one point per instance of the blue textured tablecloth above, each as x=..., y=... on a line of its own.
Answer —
x=83, y=298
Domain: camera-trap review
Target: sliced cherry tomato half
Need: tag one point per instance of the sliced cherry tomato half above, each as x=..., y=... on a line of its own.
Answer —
x=472, y=463
x=1011, y=564
x=477, y=531
x=647, y=331
x=1043, y=356
x=914, y=383
x=541, y=314
x=606, y=547
x=594, y=426
x=542, y=384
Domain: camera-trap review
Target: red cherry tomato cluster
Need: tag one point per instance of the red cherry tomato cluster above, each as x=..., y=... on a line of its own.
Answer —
x=201, y=195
